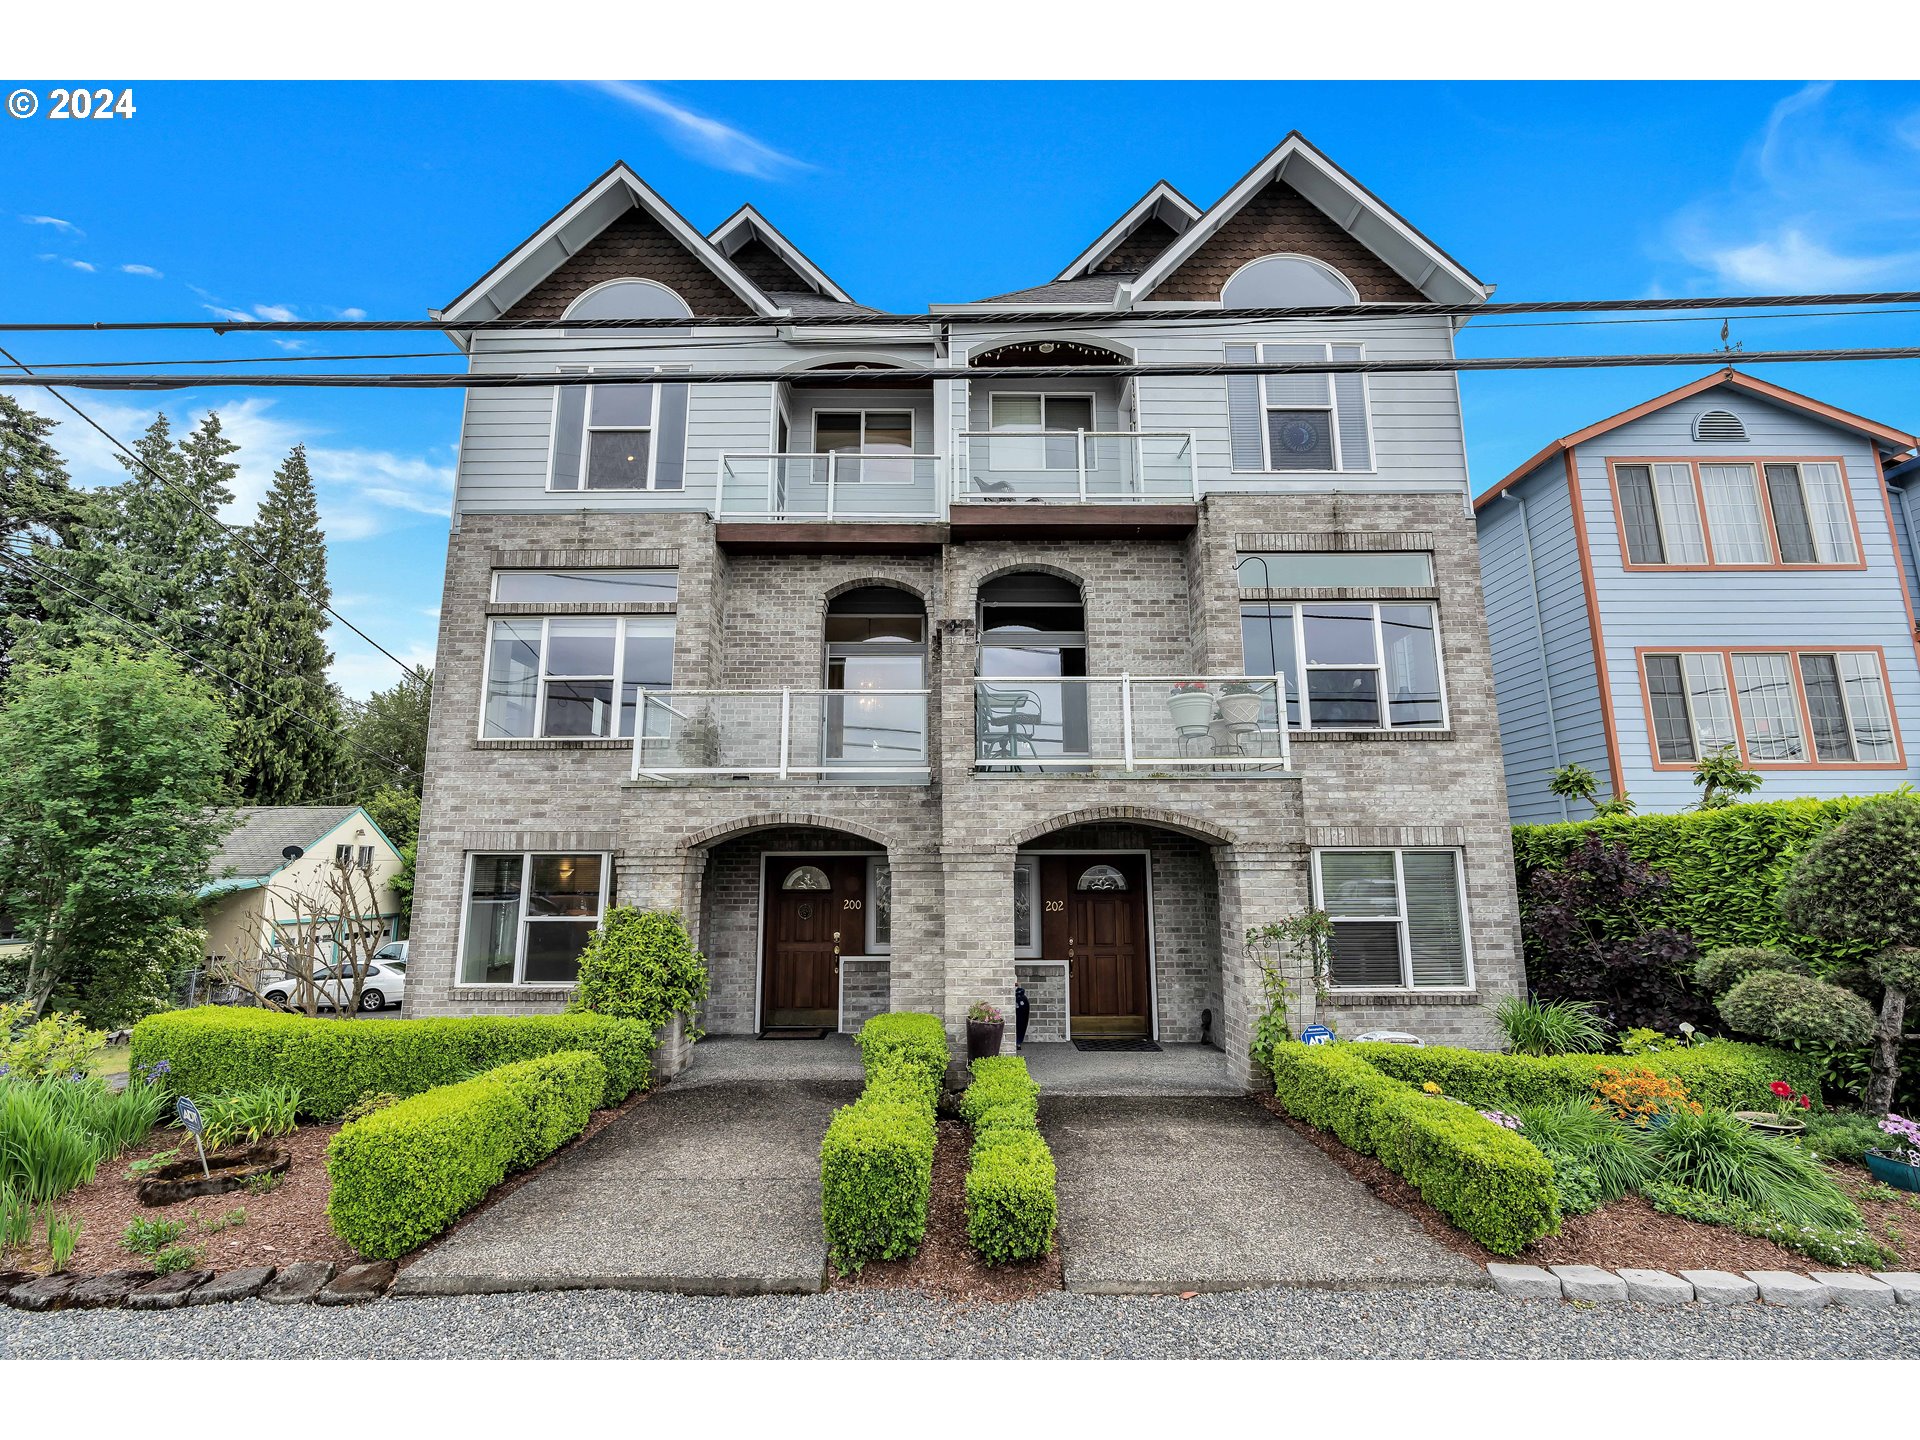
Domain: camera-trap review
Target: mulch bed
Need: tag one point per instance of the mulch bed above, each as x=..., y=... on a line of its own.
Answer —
x=1629, y=1232
x=945, y=1265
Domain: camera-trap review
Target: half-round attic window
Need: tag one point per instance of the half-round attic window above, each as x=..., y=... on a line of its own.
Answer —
x=629, y=300
x=806, y=877
x=1101, y=877
x=1287, y=280
x=1719, y=427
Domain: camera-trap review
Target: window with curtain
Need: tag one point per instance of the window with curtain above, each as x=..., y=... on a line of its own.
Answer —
x=1298, y=422
x=574, y=677
x=1398, y=918
x=1776, y=708
x=1661, y=514
x=529, y=916
x=1785, y=513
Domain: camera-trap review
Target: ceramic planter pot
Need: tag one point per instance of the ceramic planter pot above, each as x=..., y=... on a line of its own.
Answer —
x=1192, y=711
x=1240, y=709
x=1890, y=1171
x=983, y=1038
x=1769, y=1123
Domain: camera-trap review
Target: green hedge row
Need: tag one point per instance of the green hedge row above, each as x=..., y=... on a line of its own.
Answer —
x=403, y=1174
x=1486, y=1179
x=1721, y=1074
x=876, y=1160
x=1011, y=1204
x=219, y=1048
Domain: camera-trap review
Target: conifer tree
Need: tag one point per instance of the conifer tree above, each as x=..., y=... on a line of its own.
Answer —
x=40, y=514
x=286, y=748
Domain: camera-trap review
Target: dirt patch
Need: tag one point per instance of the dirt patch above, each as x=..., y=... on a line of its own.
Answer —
x=946, y=1265
x=1894, y=1223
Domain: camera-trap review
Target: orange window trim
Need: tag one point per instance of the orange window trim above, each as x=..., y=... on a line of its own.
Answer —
x=1758, y=462
x=1793, y=654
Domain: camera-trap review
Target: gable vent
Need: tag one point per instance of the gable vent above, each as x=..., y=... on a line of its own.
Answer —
x=1720, y=426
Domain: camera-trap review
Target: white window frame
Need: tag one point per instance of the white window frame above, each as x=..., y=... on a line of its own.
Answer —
x=620, y=623
x=569, y=571
x=1399, y=917
x=527, y=857
x=911, y=454
x=1379, y=668
x=1332, y=408
x=587, y=429
x=1043, y=429
x=1028, y=861
x=876, y=946
x=1755, y=467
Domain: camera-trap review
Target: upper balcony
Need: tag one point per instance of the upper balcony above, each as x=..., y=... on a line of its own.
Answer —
x=769, y=501
x=1089, y=483
x=721, y=737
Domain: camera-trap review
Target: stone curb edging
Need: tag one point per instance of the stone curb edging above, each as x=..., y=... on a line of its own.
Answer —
x=1591, y=1284
x=308, y=1282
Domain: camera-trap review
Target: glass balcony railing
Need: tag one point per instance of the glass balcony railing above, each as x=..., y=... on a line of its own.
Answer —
x=838, y=486
x=1129, y=723
x=1077, y=467
x=783, y=734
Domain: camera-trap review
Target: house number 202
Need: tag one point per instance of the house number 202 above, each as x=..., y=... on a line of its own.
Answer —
x=1053, y=905
x=849, y=904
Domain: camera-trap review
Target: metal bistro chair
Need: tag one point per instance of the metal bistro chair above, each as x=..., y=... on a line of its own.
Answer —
x=1007, y=720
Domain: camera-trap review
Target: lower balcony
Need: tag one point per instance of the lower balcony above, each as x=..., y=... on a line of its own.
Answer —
x=1130, y=725
x=719, y=737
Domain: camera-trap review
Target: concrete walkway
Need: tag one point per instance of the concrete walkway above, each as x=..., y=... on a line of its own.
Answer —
x=710, y=1187
x=1205, y=1192
x=1060, y=1069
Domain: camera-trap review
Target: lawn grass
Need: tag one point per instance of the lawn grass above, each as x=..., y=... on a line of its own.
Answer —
x=111, y=1061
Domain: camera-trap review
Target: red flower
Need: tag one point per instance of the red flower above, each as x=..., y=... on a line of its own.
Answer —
x=1781, y=1088
x=1805, y=1103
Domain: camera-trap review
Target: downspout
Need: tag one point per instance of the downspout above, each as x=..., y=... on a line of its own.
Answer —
x=1539, y=635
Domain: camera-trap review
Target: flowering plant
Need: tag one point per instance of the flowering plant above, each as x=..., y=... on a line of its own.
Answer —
x=1637, y=1096
x=1787, y=1097
x=1501, y=1118
x=1908, y=1133
x=1188, y=687
x=1431, y=1088
x=984, y=1013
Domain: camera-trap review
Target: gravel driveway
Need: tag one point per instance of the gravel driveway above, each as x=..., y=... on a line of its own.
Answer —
x=1246, y=1324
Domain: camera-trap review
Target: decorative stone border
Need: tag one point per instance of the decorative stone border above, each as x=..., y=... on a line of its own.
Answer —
x=307, y=1282
x=1593, y=1285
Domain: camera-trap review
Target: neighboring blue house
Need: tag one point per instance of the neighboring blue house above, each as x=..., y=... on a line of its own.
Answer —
x=1742, y=558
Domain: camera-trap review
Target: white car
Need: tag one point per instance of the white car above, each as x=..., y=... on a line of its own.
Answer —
x=385, y=983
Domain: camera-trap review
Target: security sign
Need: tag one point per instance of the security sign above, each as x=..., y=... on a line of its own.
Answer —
x=1317, y=1035
x=188, y=1114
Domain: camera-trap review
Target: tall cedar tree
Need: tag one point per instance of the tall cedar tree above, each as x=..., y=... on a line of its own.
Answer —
x=286, y=745
x=389, y=728
x=40, y=514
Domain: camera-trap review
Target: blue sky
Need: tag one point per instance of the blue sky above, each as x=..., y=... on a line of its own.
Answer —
x=322, y=200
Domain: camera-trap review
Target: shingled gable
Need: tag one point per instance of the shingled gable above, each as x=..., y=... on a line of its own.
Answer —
x=1297, y=201
x=772, y=261
x=1143, y=232
x=616, y=228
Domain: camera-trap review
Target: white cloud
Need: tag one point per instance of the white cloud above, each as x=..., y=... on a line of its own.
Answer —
x=359, y=669
x=67, y=260
x=146, y=270
x=275, y=312
x=704, y=138
x=65, y=227
x=286, y=344
x=226, y=313
x=1826, y=198
x=352, y=312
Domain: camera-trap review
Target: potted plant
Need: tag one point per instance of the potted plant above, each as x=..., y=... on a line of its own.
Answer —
x=1780, y=1120
x=1898, y=1166
x=1190, y=704
x=1240, y=702
x=985, y=1026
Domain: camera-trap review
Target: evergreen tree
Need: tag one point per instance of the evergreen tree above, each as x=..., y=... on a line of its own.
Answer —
x=389, y=732
x=286, y=748
x=39, y=511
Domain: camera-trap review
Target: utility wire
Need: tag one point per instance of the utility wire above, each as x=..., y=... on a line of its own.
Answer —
x=44, y=574
x=29, y=377
x=546, y=379
x=987, y=316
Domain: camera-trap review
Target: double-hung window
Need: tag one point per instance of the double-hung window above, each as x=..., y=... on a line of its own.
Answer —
x=528, y=917
x=624, y=436
x=1736, y=513
x=573, y=677
x=1349, y=665
x=1782, y=707
x=1398, y=917
x=1298, y=422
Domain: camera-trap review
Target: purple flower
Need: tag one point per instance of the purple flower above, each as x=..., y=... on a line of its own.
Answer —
x=1501, y=1118
x=1907, y=1131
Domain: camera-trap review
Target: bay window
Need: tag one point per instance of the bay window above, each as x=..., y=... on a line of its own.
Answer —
x=1398, y=918
x=529, y=916
x=573, y=677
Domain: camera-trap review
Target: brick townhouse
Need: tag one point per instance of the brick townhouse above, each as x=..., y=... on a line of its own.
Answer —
x=910, y=691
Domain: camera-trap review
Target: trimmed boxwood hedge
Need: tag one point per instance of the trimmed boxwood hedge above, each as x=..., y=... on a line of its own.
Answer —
x=403, y=1174
x=218, y=1049
x=1486, y=1179
x=876, y=1159
x=1011, y=1203
x=1723, y=1074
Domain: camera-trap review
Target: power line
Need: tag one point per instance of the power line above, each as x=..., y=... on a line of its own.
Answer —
x=44, y=574
x=29, y=377
x=1039, y=316
x=248, y=360
x=547, y=379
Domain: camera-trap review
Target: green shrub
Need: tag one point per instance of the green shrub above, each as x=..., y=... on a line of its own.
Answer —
x=1841, y=1135
x=1725, y=1074
x=876, y=1168
x=1557, y=1027
x=147, y=1237
x=1615, y=1152
x=1718, y=971
x=1830, y=1245
x=641, y=965
x=1011, y=1204
x=1575, y=1183
x=1782, y=1007
x=404, y=1173
x=1719, y=1153
x=45, y=1047
x=915, y=1040
x=220, y=1049
x=247, y=1117
x=54, y=1134
x=175, y=1257
x=1001, y=1085
x=1487, y=1180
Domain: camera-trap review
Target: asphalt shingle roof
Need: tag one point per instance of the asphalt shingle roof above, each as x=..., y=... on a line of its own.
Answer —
x=1084, y=290
x=805, y=302
x=253, y=846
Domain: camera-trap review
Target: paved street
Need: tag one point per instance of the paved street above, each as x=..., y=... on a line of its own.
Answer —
x=1248, y=1324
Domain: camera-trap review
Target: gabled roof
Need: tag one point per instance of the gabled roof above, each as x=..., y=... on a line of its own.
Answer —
x=747, y=224
x=1162, y=203
x=579, y=221
x=253, y=849
x=1888, y=439
x=1097, y=291
x=1346, y=202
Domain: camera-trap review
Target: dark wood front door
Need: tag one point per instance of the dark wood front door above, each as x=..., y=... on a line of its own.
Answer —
x=1094, y=916
x=815, y=911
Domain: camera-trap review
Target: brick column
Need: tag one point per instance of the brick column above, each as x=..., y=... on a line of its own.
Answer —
x=661, y=881
x=1257, y=887
x=916, y=968
x=979, y=933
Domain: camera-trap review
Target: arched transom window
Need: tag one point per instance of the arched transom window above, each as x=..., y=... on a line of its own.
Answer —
x=806, y=877
x=1101, y=877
